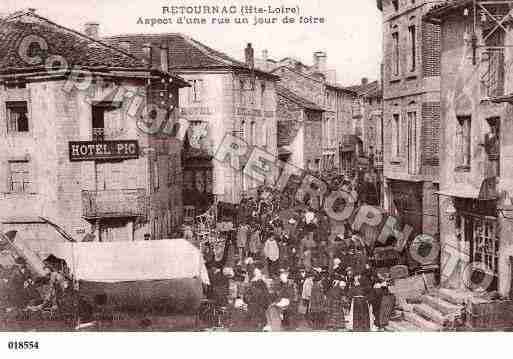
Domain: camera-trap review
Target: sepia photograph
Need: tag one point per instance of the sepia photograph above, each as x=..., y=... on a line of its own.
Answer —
x=244, y=167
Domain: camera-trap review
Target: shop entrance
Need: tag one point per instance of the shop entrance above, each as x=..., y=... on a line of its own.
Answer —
x=476, y=228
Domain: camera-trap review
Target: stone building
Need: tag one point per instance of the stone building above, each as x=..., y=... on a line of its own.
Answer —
x=316, y=84
x=75, y=148
x=226, y=97
x=411, y=113
x=299, y=130
x=365, y=150
x=475, y=154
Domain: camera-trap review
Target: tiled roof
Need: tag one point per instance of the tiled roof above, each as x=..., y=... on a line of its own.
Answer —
x=78, y=49
x=310, y=77
x=340, y=87
x=184, y=52
x=298, y=100
x=371, y=89
x=287, y=130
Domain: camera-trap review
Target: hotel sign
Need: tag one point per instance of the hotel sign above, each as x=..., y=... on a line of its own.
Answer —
x=103, y=150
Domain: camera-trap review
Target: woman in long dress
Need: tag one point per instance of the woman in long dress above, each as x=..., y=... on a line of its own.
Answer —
x=360, y=315
x=318, y=304
x=258, y=299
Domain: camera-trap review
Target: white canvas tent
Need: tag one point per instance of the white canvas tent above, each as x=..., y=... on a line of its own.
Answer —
x=141, y=274
x=111, y=262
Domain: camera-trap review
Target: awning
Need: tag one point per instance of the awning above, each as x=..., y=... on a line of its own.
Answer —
x=486, y=192
x=393, y=176
x=500, y=99
x=461, y=191
x=21, y=219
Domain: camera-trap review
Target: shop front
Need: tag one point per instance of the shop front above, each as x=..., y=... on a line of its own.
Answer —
x=406, y=204
x=198, y=182
x=349, y=150
x=477, y=230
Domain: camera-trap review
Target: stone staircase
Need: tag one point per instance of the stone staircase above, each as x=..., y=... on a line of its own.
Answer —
x=436, y=309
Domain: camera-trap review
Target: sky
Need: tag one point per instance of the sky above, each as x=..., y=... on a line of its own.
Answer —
x=351, y=34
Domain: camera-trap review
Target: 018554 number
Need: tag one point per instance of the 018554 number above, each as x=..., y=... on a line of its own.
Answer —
x=22, y=345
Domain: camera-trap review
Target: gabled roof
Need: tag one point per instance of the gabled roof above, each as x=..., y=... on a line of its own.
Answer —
x=287, y=131
x=310, y=77
x=185, y=53
x=78, y=49
x=307, y=76
x=298, y=100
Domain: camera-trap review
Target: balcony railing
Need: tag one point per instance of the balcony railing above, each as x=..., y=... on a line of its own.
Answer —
x=98, y=134
x=114, y=203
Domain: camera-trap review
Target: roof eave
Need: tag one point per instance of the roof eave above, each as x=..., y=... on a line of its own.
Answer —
x=436, y=15
x=228, y=68
x=503, y=99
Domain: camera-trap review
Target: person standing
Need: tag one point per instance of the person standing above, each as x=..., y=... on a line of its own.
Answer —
x=220, y=287
x=286, y=255
x=382, y=303
x=272, y=255
x=360, y=316
x=258, y=300
x=242, y=241
x=254, y=242
x=317, y=307
x=337, y=303
x=283, y=297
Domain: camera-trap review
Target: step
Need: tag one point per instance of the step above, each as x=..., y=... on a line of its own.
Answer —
x=429, y=313
x=424, y=324
x=440, y=304
x=454, y=296
x=402, y=326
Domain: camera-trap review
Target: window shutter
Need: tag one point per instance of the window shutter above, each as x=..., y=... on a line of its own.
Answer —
x=5, y=174
x=200, y=91
x=31, y=177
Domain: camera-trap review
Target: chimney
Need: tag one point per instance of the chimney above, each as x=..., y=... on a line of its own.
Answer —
x=265, y=56
x=164, y=57
x=365, y=80
x=320, y=58
x=249, y=56
x=31, y=10
x=147, y=54
x=92, y=29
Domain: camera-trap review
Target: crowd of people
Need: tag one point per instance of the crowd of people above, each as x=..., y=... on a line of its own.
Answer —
x=286, y=273
x=279, y=267
x=52, y=296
